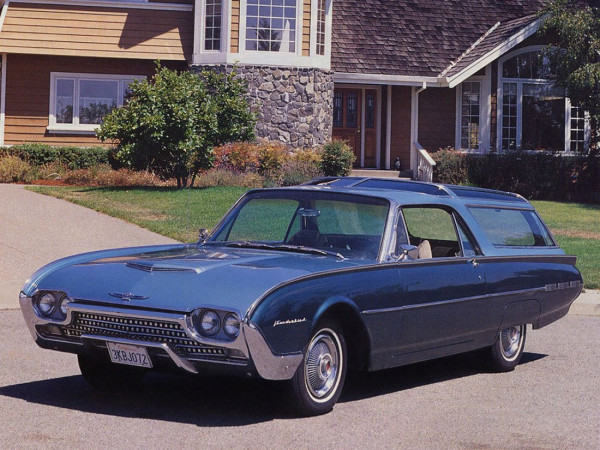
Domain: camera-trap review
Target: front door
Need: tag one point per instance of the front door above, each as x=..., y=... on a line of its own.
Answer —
x=355, y=121
x=347, y=119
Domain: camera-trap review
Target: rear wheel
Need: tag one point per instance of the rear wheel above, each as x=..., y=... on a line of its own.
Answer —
x=318, y=382
x=105, y=375
x=508, y=348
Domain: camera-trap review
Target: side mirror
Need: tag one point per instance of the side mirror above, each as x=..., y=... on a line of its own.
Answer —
x=202, y=235
x=408, y=252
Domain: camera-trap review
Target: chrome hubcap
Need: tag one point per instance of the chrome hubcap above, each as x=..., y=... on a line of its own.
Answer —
x=510, y=341
x=322, y=366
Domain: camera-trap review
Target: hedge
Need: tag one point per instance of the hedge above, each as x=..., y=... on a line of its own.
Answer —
x=72, y=158
x=540, y=176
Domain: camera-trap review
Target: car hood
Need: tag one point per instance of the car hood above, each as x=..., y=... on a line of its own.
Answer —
x=182, y=278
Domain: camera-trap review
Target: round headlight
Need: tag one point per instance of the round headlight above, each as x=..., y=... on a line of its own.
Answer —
x=47, y=304
x=209, y=323
x=63, y=305
x=231, y=325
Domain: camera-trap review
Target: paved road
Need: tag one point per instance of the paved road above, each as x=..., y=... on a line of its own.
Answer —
x=36, y=229
x=552, y=400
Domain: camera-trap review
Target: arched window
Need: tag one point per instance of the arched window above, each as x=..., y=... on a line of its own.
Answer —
x=533, y=114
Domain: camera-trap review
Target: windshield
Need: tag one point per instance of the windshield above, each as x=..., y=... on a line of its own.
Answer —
x=346, y=224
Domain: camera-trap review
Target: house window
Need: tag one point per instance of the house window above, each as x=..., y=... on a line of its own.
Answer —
x=470, y=114
x=532, y=111
x=271, y=25
x=212, y=25
x=338, y=110
x=580, y=130
x=351, y=109
x=321, y=27
x=80, y=101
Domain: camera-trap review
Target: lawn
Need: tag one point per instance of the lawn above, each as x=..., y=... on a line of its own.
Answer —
x=167, y=211
x=179, y=214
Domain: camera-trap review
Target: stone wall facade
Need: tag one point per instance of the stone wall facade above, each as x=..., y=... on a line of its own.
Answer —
x=294, y=105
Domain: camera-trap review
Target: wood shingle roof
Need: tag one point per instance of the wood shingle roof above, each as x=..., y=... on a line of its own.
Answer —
x=421, y=37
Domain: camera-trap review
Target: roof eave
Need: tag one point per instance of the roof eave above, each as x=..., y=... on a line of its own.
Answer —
x=376, y=78
x=514, y=40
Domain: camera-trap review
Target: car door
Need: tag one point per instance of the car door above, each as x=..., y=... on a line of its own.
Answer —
x=443, y=301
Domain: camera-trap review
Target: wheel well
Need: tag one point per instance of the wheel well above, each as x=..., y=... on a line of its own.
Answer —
x=355, y=334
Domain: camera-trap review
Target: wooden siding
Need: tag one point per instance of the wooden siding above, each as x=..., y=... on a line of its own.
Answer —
x=235, y=26
x=28, y=93
x=437, y=118
x=97, y=32
x=400, y=139
x=306, y=28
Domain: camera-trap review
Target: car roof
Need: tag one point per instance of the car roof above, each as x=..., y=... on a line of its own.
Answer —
x=407, y=192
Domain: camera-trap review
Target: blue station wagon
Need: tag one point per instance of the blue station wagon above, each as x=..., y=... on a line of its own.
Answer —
x=303, y=283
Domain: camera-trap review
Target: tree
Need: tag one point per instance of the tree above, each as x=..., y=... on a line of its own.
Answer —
x=574, y=28
x=171, y=123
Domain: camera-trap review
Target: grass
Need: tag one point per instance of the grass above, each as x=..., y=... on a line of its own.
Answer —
x=174, y=213
x=179, y=214
x=576, y=227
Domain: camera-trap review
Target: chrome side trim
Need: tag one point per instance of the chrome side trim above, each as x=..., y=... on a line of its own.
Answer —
x=268, y=365
x=180, y=362
x=456, y=300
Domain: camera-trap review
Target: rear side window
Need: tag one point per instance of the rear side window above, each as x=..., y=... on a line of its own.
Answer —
x=512, y=227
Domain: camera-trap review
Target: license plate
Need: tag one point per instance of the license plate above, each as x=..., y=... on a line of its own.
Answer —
x=132, y=355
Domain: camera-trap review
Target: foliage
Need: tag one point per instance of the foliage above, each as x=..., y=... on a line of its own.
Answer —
x=223, y=177
x=300, y=167
x=237, y=156
x=535, y=175
x=574, y=26
x=271, y=156
x=70, y=157
x=170, y=124
x=13, y=170
x=337, y=158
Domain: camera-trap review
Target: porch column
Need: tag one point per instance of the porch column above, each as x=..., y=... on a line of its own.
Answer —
x=414, y=124
x=388, y=128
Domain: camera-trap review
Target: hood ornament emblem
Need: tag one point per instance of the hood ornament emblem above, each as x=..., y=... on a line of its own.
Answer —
x=127, y=296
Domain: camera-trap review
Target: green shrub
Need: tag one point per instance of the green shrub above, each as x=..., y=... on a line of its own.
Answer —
x=14, y=170
x=337, y=158
x=71, y=157
x=171, y=124
x=534, y=175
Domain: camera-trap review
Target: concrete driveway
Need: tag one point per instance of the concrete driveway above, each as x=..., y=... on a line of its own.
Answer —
x=36, y=229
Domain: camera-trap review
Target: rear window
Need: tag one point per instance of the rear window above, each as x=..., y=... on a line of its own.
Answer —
x=512, y=227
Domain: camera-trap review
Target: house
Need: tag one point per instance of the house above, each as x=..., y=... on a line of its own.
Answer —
x=390, y=76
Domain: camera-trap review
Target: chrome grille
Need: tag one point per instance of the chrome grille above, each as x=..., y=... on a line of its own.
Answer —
x=138, y=329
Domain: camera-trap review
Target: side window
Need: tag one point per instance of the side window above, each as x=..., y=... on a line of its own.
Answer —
x=432, y=230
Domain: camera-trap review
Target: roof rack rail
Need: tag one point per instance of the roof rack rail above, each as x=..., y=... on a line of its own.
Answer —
x=437, y=189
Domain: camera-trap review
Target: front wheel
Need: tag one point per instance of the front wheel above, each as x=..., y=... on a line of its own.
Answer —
x=508, y=348
x=317, y=384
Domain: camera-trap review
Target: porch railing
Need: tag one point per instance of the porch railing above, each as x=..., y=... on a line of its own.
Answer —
x=425, y=164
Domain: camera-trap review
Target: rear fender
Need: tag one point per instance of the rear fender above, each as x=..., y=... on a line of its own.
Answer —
x=517, y=313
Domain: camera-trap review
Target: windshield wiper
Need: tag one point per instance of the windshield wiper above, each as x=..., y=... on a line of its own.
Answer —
x=285, y=248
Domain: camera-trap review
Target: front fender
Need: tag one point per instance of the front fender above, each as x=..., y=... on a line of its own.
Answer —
x=287, y=317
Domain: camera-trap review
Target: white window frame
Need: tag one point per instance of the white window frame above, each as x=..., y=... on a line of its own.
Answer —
x=270, y=57
x=520, y=82
x=260, y=58
x=76, y=127
x=485, y=111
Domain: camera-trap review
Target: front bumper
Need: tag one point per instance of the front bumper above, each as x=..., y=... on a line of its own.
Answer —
x=167, y=336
